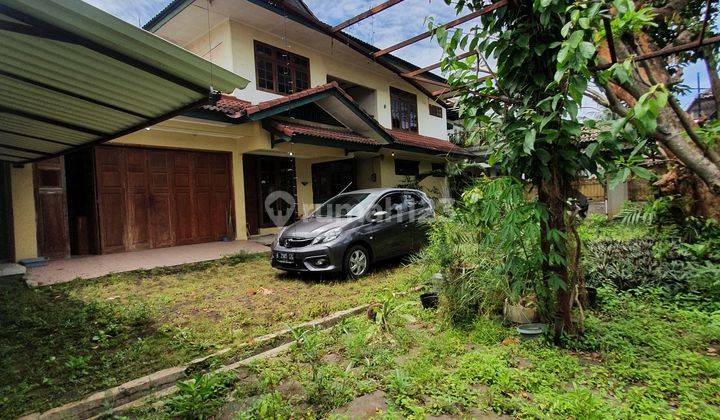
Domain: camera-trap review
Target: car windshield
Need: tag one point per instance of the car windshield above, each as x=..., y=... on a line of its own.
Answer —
x=345, y=205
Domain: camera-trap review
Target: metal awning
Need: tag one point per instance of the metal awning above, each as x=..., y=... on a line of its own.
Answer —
x=72, y=75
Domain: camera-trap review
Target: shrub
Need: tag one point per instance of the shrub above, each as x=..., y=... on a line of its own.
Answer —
x=200, y=397
x=643, y=263
x=487, y=249
x=626, y=265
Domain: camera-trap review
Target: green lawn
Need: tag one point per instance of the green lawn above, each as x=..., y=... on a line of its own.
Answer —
x=60, y=343
x=638, y=358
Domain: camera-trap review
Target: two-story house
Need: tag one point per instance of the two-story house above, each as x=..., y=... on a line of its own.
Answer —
x=319, y=114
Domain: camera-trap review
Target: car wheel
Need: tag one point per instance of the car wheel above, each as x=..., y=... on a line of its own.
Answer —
x=357, y=262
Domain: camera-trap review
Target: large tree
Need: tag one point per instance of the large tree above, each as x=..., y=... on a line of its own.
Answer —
x=547, y=54
x=694, y=160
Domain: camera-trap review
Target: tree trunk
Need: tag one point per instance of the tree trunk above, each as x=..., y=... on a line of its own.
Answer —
x=712, y=69
x=553, y=193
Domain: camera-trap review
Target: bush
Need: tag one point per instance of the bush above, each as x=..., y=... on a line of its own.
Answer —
x=487, y=249
x=625, y=265
x=200, y=397
x=642, y=263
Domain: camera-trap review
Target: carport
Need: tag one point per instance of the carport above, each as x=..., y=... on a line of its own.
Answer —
x=73, y=76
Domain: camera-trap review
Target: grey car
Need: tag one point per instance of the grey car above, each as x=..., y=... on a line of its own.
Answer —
x=353, y=230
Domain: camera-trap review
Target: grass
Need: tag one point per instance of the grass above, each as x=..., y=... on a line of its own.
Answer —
x=599, y=227
x=643, y=355
x=60, y=343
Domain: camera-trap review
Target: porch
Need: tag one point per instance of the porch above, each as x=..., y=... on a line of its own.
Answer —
x=92, y=266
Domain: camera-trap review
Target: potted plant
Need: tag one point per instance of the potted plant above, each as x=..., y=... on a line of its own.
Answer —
x=524, y=311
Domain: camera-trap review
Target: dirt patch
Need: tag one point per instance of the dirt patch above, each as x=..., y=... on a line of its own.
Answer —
x=333, y=358
x=474, y=413
x=290, y=389
x=364, y=407
x=407, y=356
x=523, y=363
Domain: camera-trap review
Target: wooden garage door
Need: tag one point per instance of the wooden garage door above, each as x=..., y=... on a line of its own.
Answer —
x=152, y=198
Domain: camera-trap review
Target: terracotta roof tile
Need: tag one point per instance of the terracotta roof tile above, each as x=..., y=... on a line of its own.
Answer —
x=236, y=108
x=279, y=101
x=343, y=134
x=229, y=105
x=340, y=133
x=425, y=142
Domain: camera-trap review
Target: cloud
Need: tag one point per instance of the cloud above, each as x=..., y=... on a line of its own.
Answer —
x=137, y=12
x=392, y=25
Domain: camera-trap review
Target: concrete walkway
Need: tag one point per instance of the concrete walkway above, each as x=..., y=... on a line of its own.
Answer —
x=92, y=266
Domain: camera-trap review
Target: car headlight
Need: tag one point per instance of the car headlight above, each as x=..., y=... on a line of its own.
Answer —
x=328, y=236
x=279, y=235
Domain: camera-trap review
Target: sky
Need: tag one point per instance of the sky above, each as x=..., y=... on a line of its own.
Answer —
x=382, y=30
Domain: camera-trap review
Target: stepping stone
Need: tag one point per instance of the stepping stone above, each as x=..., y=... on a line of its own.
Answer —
x=11, y=270
x=365, y=407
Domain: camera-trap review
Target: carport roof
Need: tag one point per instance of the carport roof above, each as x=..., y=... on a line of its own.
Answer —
x=72, y=75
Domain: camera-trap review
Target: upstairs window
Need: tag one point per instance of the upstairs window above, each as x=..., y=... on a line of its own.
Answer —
x=436, y=111
x=403, y=110
x=279, y=71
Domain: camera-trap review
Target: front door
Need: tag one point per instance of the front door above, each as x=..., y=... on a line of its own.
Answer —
x=265, y=175
x=6, y=225
x=51, y=206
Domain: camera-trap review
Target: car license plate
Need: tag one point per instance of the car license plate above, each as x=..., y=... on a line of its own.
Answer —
x=286, y=257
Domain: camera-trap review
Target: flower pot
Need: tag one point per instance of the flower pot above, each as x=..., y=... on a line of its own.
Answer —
x=519, y=314
x=429, y=300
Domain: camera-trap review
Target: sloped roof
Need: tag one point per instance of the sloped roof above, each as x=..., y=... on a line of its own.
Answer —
x=341, y=134
x=72, y=75
x=403, y=140
x=239, y=110
x=229, y=105
x=426, y=143
x=330, y=97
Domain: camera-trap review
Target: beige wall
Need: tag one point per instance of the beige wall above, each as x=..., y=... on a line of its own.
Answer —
x=23, y=207
x=435, y=187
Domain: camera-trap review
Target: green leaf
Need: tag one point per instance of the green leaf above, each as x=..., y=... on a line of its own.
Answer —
x=575, y=39
x=572, y=109
x=566, y=29
x=584, y=23
x=590, y=150
x=545, y=3
x=587, y=49
x=643, y=173
x=529, y=143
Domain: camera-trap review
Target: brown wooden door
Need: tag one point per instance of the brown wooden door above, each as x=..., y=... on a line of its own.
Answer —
x=221, y=196
x=182, y=198
x=51, y=206
x=112, y=217
x=160, y=184
x=202, y=221
x=263, y=176
x=138, y=200
x=151, y=198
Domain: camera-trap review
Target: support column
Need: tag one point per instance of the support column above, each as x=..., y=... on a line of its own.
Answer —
x=24, y=218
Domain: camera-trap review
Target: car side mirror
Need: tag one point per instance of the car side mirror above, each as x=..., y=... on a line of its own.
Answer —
x=379, y=215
